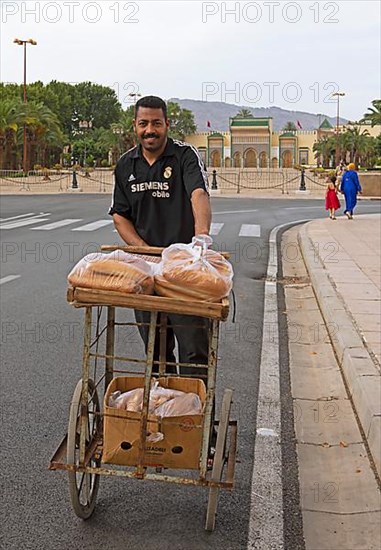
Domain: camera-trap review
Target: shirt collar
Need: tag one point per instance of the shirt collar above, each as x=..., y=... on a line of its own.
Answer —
x=169, y=150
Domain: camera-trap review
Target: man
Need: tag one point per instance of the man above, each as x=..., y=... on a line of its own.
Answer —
x=350, y=186
x=160, y=198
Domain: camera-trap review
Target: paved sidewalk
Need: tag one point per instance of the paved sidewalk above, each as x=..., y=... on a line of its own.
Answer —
x=343, y=260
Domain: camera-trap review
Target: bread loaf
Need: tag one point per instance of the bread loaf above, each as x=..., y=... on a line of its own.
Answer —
x=111, y=272
x=187, y=275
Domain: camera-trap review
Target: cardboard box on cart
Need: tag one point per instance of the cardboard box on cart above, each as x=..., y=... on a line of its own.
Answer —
x=181, y=446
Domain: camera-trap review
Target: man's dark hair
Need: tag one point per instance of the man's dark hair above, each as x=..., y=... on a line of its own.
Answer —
x=151, y=102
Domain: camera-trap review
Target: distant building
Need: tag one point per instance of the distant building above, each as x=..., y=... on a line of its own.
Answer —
x=252, y=143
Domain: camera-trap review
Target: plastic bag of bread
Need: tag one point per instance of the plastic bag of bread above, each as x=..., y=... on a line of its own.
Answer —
x=132, y=400
x=118, y=271
x=182, y=405
x=194, y=272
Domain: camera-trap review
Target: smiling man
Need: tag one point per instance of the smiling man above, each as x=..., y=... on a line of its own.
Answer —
x=160, y=197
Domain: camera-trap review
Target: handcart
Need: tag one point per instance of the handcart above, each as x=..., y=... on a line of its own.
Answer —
x=192, y=439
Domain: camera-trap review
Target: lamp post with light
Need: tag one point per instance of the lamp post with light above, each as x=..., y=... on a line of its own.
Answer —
x=338, y=95
x=85, y=125
x=134, y=97
x=24, y=43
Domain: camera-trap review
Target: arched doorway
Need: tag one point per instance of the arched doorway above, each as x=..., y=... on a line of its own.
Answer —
x=237, y=159
x=228, y=162
x=263, y=160
x=287, y=159
x=250, y=158
x=216, y=159
x=274, y=162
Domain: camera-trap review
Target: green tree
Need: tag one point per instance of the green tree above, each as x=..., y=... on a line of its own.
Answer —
x=181, y=121
x=43, y=131
x=324, y=149
x=374, y=115
x=11, y=116
x=356, y=142
x=244, y=113
x=289, y=127
x=96, y=103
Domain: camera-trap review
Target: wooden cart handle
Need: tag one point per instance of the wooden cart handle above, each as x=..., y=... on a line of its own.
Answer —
x=149, y=250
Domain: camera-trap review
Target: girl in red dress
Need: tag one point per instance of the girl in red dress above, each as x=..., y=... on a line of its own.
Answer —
x=332, y=202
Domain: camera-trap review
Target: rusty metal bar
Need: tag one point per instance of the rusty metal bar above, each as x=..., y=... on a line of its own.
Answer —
x=85, y=384
x=110, y=344
x=230, y=470
x=147, y=387
x=163, y=343
x=210, y=394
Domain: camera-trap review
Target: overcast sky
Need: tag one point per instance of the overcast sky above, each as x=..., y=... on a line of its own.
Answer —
x=287, y=54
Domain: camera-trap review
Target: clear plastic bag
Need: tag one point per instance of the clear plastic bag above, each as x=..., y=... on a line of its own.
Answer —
x=118, y=271
x=133, y=400
x=194, y=272
x=182, y=405
x=163, y=401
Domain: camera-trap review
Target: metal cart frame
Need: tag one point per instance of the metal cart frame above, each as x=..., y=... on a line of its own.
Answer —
x=80, y=451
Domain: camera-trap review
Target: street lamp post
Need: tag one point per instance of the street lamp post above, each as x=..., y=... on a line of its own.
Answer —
x=338, y=95
x=134, y=97
x=85, y=125
x=24, y=43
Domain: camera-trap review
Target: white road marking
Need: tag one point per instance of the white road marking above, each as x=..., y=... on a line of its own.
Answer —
x=8, y=278
x=93, y=226
x=266, y=517
x=233, y=212
x=56, y=225
x=16, y=217
x=304, y=208
x=251, y=230
x=22, y=223
x=215, y=228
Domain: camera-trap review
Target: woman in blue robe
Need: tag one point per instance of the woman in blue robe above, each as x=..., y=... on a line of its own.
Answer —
x=350, y=186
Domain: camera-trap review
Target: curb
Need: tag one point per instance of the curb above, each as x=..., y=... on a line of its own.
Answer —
x=362, y=378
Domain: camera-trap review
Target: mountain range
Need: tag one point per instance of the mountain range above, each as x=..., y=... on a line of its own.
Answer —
x=218, y=113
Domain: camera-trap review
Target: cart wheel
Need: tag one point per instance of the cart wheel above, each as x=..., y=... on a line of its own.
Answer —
x=83, y=487
x=219, y=458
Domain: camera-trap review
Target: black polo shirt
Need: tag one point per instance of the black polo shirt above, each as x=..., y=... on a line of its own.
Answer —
x=157, y=198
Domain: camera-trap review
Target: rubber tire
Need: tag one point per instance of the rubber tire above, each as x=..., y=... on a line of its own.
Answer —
x=82, y=510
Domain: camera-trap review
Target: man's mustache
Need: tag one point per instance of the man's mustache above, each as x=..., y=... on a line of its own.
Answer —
x=147, y=136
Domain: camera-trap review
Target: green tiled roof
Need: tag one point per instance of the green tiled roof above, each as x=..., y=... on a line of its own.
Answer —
x=288, y=134
x=326, y=125
x=249, y=121
x=215, y=135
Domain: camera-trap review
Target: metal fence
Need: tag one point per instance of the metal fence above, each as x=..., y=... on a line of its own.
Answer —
x=51, y=181
x=244, y=180
x=227, y=180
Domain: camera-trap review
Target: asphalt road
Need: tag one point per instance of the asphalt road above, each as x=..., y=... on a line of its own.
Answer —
x=41, y=364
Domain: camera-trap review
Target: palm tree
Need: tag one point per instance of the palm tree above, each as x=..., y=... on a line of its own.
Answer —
x=244, y=113
x=10, y=120
x=324, y=149
x=124, y=130
x=356, y=143
x=289, y=127
x=374, y=116
x=43, y=132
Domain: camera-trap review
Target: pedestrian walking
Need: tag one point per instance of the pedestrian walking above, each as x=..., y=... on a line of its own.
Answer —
x=332, y=202
x=350, y=187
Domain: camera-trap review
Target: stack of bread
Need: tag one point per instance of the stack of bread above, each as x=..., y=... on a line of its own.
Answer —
x=191, y=272
x=118, y=271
